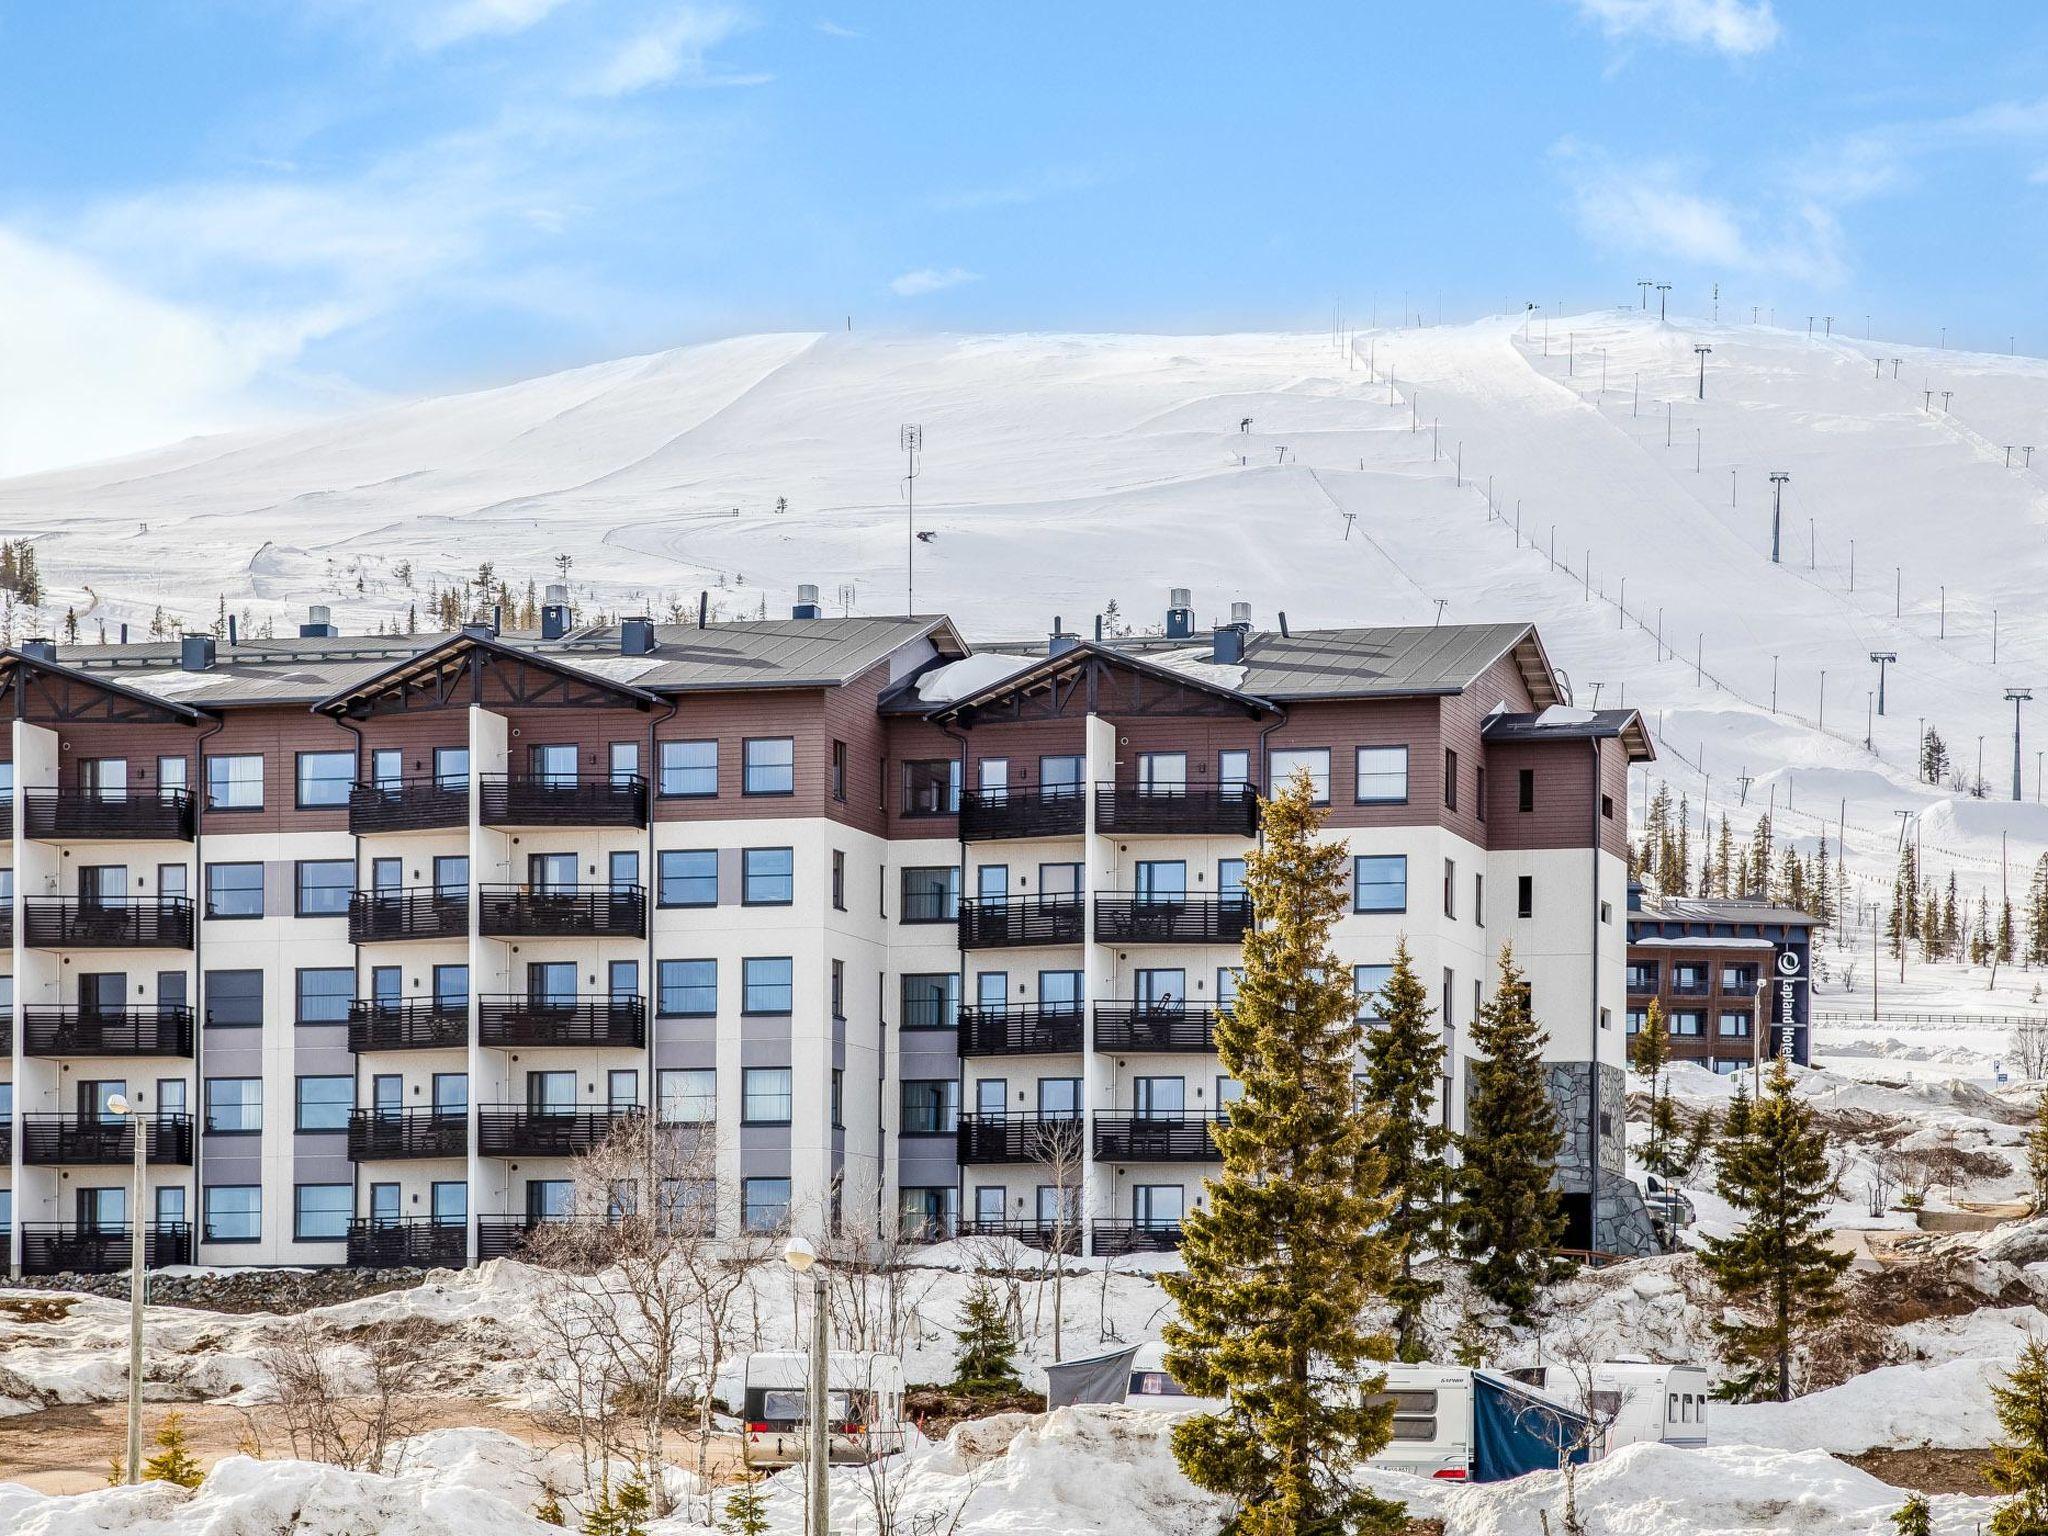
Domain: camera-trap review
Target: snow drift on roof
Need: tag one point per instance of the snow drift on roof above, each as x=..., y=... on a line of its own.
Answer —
x=969, y=675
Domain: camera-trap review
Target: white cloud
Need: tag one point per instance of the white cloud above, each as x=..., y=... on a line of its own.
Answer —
x=673, y=51
x=1737, y=28
x=833, y=29
x=912, y=285
x=1032, y=187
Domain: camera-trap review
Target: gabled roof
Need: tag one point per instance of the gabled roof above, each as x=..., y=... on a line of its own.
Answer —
x=17, y=667
x=1392, y=661
x=1562, y=723
x=433, y=667
x=1084, y=654
x=772, y=653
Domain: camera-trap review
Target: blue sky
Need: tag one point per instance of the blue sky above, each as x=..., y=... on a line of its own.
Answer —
x=216, y=210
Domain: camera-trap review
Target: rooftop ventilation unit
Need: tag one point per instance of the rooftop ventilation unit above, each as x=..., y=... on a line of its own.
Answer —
x=554, y=613
x=41, y=650
x=636, y=637
x=1241, y=613
x=1059, y=642
x=806, y=604
x=1180, y=614
x=195, y=653
x=319, y=623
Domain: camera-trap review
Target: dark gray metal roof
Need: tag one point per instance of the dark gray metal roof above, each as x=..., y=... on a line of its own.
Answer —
x=1369, y=663
x=1563, y=723
x=1696, y=909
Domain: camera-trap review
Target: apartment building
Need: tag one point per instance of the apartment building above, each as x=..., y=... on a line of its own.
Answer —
x=371, y=936
x=1732, y=977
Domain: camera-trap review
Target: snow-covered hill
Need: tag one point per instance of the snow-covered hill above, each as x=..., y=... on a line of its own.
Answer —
x=1062, y=473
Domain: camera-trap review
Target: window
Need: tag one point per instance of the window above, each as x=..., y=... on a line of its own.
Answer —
x=930, y=1108
x=1230, y=880
x=1382, y=775
x=765, y=1096
x=686, y=988
x=1525, y=788
x=839, y=989
x=171, y=773
x=764, y=1204
x=838, y=880
x=838, y=1101
x=931, y=894
x=1059, y=778
x=325, y=777
x=689, y=768
x=1607, y=807
x=324, y=886
x=839, y=771
x=234, y=1105
x=768, y=877
x=769, y=766
x=1450, y=779
x=234, y=997
x=1479, y=792
x=1525, y=895
x=234, y=890
x=1738, y=978
x=234, y=1213
x=992, y=778
x=320, y=1212
x=931, y=1000
x=1379, y=882
x=1637, y=1018
x=170, y=881
x=323, y=1103
x=689, y=1095
x=324, y=994
x=688, y=877
x=1450, y=888
x=1367, y=982
x=766, y=985
x=234, y=783
x=1479, y=899
x=1642, y=976
x=1233, y=769
x=1690, y=1023
x=1734, y=1026
x=1284, y=762
x=931, y=787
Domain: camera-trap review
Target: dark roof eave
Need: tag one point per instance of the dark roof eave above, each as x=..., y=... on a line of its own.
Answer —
x=337, y=704
x=181, y=714
x=1049, y=665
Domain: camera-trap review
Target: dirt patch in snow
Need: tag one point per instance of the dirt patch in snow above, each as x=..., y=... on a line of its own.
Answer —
x=1927, y=1469
x=935, y=1410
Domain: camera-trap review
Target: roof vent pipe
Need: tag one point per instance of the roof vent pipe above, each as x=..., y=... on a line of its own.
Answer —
x=703, y=608
x=195, y=653
x=497, y=618
x=1180, y=614
x=806, y=603
x=636, y=637
x=1283, y=624
x=319, y=622
x=1059, y=642
x=1098, y=629
x=232, y=640
x=124, y=634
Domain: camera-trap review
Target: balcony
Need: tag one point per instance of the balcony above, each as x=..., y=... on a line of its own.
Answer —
x=378, y=1134
x=68, y=1140
x=1006, y=921
x=83, y=815
x=1641, y=982
x=499, y=1237
x=1128, y=918
x=415, y=1024
x=1111, y=1238
x=420, y=913
x=1050, y=811
x=515, y=1130
x=1134, y=1028
x=592, y=1019
x=1021, y=1029
x=1184, y=1139
x=165, y=1030
x=1045, y=1237
x=544, y=800
x=137, y=922
x=408, y=805
x=1126, y=810
x=51, y=1248
x=563, y=911
x=1023, y=1138
x=418, y=1242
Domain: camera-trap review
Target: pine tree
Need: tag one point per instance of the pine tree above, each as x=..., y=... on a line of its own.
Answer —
x=173, y=1461
x=1652, y=1053
x=1510, y=1217
x=623, y=1513
x=1980, y=932
x=2019, y=1462
x=984, y=1354
x=746, y=1512
x=1681, y=852
x=1913, y=1518
x=1823, y=890
x=2005, y=936
x=1404, y=1072
x=2037, y=1152
x=1291, y=1250
x=1933, y=757
x=1776, y=1274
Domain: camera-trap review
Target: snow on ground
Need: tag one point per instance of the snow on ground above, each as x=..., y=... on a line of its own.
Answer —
x=1946, y=1405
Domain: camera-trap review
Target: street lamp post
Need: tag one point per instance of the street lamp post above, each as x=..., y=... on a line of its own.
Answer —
x=138, y=1281
x=801, y=1257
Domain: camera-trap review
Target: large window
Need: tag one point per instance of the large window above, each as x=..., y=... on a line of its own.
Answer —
x=324, y=1103
x=689, y=768
x=931, y=1107
x=234, y=890
x=686, y=988
x=1367, y=981
x=1382, y=775
x=1379, y=882
x=770, y=766
x=931, y=894
x=234, y=1213
x=325, y=777
x=688, y=877
x=324, y=886
x=765, y=1096
x=234, y=783
x=766, y=985
x=324, y=993
x=234, y=1105
x=769, y=876
x=931, y=787
x=320, y=1212
x=234, y=997
x=689, y=1095
x=931, y=1000
x=764, y=1204
x=1284, y=762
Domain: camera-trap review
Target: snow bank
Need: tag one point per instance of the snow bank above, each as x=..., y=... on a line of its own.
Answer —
x=1946, y=1405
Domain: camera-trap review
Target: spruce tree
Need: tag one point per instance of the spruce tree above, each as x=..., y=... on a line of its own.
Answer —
x=1510, y=1215
x=173, y=1461
x=984, y=1354
x=1652, y=1054
x=2005, y=938
x=2037, y=1152
x=1404, y=1074
x=746, y=1511
x=1292, y=1247
x=2019, y=1463
x=1913, y=1518
x=1776, y=1274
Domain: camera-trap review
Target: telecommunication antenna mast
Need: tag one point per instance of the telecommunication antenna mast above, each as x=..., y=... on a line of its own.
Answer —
x=911, y=440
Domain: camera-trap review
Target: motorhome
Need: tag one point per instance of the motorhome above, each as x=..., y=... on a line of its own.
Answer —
x=865, y=1396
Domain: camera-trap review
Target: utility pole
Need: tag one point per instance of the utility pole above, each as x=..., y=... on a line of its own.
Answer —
x=1883, y=659
x=1700, y=350
x=2017, y=697
x=911, y=439
x=1778, y=479
x=1774, y=682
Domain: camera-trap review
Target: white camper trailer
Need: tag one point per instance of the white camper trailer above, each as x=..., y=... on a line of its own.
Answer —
x=1152, y=1386
x=1432, y=1421
x=864, y=1391
x=1643, y=1401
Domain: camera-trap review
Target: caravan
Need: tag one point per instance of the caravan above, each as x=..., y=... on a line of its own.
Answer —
x=865, y=1392
x=1642, y=1401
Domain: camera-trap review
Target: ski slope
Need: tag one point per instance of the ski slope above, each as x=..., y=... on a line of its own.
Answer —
x=1631, y=521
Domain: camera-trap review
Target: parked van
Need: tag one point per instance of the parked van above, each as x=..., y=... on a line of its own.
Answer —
x=864, y=1391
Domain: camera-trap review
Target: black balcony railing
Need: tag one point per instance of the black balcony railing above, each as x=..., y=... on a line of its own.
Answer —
x=991, y=922
x=1139, y=1139
x=1131, y=809
x=588, y=1020
x=416, y=1242
x=375, y=1134
x=1054, y=811
x=7, y=926
x=563, y=911
x=1046, y=1237
x=64, y=815
x=164, y=1030
x=544, y=800
x=1020, y=1029
x=1125, y=918
x=413, y=1024
x=136, y=922
x=1134, y=1027
x=516, y=1130
x=408, y=805
x=51, y=1248
x=1024, y=1138
x=422, y=912
x=54, y=1140
x=1110, y=1238
x=499, y=1237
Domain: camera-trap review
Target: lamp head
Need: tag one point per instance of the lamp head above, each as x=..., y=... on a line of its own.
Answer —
x=798, y=1254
